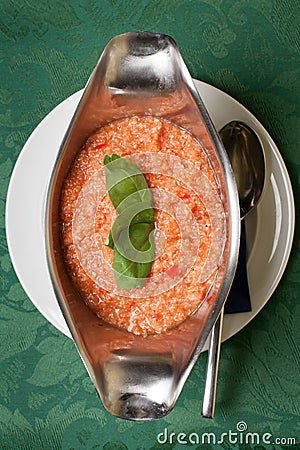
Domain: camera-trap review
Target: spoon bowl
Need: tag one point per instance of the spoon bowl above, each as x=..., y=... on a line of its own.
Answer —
x=247, y=161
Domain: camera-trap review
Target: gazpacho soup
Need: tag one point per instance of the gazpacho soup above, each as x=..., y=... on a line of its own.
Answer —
x=143, y=224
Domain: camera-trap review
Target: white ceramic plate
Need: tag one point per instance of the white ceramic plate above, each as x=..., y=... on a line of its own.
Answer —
x=269, y=227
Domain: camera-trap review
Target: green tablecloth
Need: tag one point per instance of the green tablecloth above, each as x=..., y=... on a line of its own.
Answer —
x=247, y=48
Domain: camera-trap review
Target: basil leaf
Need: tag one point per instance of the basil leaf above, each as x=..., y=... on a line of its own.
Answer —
x=144, y=216
x=131, y=235
x=134, y=242
x=124, y=178
x=109, y=241
x=130, y=274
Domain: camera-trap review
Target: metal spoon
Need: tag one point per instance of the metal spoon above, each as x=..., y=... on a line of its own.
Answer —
x=247, y=160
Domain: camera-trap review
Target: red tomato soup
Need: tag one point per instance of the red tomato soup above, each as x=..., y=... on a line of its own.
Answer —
x=189, y=224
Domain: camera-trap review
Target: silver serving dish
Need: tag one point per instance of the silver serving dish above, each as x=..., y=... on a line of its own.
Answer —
x=139, y=378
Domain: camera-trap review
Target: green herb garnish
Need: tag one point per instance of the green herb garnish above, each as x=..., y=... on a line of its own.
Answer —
x=131, y=235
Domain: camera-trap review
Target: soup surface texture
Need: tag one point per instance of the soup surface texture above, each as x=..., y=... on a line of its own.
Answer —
x=189, y=224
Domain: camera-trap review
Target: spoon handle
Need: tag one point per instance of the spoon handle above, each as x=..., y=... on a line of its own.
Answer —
x=209, y=396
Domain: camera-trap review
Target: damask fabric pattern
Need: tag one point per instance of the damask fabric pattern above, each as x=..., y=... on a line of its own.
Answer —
x=249, y=49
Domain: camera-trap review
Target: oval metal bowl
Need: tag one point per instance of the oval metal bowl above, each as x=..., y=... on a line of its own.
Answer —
x=137, y=377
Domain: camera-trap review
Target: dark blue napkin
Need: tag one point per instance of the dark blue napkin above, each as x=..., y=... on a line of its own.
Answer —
x=238, y=299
